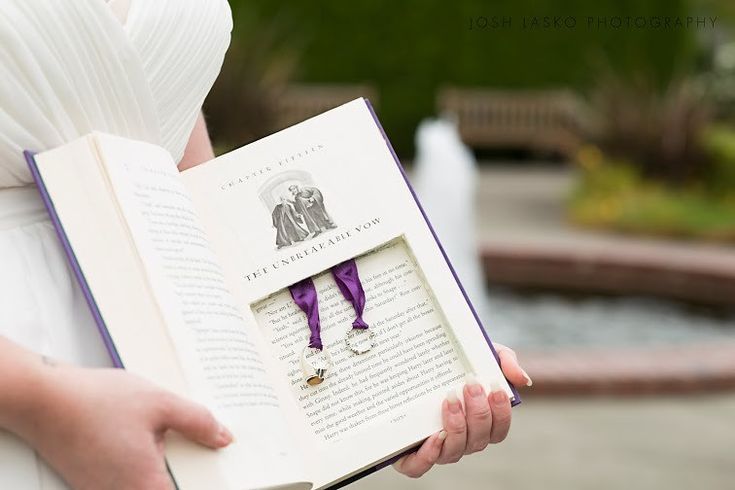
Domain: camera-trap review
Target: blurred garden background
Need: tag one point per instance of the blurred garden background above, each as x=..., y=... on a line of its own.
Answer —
x=598, y=141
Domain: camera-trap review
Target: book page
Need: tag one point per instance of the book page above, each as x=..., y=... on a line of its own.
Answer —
x=295, y=204
x=219, y=356
x=415, y=352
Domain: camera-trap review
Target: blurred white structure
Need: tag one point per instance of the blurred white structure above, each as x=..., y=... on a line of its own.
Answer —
x=445, y=179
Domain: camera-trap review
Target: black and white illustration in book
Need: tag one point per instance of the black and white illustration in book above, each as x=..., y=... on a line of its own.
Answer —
x=297, y=207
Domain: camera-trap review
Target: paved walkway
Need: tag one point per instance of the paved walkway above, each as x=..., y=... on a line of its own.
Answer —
x=526, y=240
x=524, y=206
x=520, y=203
x=601, y=444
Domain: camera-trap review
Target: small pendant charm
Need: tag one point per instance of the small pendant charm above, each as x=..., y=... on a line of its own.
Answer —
x=315, y=364
x=360, y=340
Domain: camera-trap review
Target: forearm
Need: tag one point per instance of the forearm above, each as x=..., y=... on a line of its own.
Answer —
x=23, y=387
x=98, y=428
x=23, y=374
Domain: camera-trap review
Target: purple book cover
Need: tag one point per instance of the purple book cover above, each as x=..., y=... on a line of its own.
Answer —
x=69, y=251
x=109, y=344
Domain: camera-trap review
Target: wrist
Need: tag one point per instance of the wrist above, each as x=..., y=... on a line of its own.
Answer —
x=31, y=397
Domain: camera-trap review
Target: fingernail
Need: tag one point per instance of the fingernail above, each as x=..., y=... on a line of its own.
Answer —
x=453, y=402
x=442, y=435
x=225, y=436
x=528, y=378
x=473, y=387
x=499, y=397
x=495, y=386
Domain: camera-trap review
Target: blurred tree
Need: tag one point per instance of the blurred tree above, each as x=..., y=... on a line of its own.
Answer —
x=411, y=48
x=262, y=58
x=658, y=131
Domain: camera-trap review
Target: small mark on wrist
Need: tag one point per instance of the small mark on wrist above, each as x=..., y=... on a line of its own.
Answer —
x=49, y=361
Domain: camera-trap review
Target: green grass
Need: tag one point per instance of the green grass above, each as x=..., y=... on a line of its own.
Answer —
x=613, y=196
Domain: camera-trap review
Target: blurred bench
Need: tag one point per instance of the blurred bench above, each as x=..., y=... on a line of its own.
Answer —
x=302, y=101
x=544, y=122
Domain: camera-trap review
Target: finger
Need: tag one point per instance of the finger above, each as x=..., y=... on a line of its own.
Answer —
x=511, y=368
x=194, y=422
x=456, y=426
x=479, y=417
x=416, y=464
x=170, y=484
x=500, y=406
x=161, y=481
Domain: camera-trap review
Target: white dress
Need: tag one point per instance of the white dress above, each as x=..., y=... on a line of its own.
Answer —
x=137, y=68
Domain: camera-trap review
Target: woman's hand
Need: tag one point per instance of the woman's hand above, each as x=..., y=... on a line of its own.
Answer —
x=104, y=428
x=484, y=419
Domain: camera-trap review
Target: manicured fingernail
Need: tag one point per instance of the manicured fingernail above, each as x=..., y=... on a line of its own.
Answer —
x=453, y=402
x=225, y=436
x=499, y=397
x=442, y=435
x=528, y=378
x=495, y=386
x=473, y=387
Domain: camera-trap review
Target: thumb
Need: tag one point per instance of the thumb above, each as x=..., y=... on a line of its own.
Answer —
x=510, y=366
x=195, y=422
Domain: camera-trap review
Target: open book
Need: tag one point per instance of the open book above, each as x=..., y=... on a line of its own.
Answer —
x=188, y=277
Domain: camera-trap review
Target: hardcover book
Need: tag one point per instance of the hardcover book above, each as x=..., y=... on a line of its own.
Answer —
x=294, y=286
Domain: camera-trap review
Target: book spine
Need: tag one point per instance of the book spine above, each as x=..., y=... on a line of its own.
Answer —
x=71, y=257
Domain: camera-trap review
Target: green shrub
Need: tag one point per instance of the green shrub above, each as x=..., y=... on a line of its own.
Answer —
x=615, y=196
x=719, y=142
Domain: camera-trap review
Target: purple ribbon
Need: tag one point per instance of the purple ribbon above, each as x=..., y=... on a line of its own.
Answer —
x=304, y=295
x=348, y=281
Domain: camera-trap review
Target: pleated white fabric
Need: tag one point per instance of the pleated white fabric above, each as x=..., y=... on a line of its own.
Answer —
x=67, y=68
